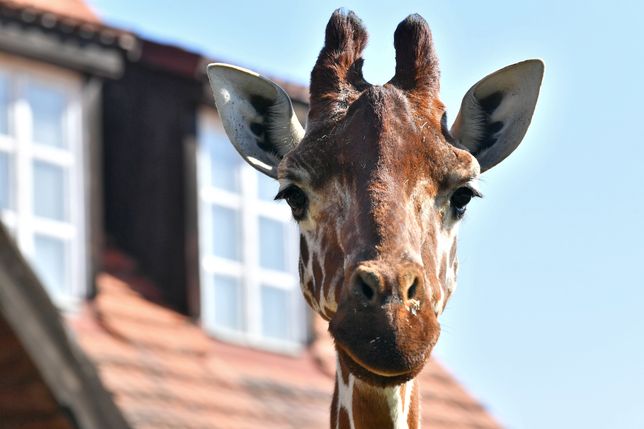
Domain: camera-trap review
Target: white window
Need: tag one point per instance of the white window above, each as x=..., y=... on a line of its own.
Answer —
x=40, y=171
x=249, y=249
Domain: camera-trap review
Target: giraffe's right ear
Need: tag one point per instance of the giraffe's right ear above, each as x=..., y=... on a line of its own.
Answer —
x=257, y=115
x=496, y=112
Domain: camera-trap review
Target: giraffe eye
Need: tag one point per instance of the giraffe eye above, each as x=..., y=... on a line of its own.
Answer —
x=460, y=198
x=296, y=199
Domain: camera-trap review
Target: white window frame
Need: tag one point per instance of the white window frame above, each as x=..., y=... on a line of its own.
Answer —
x=20, y=218
x=248, y=270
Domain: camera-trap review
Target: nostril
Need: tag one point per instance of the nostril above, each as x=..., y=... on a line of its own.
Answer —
x=366, y=284
x=411, y=292
x=366, y=290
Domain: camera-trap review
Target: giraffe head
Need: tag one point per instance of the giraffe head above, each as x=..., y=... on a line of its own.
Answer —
x=378, y=183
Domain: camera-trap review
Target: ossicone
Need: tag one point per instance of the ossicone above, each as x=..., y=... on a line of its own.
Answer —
x=416, y=61
x=345, y=33
x=337, y=74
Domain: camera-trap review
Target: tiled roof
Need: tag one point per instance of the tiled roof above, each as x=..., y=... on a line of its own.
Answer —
x=45, y=380
x=76, y=17
x=76, y=9
x=31, y=27
x=165, y=372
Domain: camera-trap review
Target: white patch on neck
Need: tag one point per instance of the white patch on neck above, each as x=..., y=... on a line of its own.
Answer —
x=409, y=386
x=398, y=406
x=345, y=396
x=398, y=399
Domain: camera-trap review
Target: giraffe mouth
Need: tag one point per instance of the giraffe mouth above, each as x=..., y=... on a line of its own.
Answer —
x=378, y=353
x=406, y=373
x=383, y=344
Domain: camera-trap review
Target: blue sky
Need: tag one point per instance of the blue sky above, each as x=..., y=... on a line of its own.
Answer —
x=547, y=323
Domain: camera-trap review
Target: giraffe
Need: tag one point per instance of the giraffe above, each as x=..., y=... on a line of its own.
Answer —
x=378, y=184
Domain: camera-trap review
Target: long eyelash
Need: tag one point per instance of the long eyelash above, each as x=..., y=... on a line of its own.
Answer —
x=283, y=193
x=475, y=190
x=476, y=193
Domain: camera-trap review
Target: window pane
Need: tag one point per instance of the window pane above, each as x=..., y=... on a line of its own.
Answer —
x=271, y=244
x=4, y=105
x=224, y=161
x=5, y=189
x=224, y=303
x=47, y=112
x=51, y=263
x=226, y=233
x=50, y=196
x=275, y=313
x=266, y=187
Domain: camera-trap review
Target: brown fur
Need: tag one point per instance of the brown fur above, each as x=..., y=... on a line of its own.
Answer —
x=378, y=172
x=343, y=419
x=413, y=418
x=334, y=409
x=304, y=251
x=370, y=408
x=337, y=75
x=416, y=62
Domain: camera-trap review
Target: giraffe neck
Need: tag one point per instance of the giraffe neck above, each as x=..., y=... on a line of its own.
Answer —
x=358, y=405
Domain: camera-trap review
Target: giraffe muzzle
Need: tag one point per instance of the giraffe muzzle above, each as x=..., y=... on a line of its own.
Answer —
x=385, y=327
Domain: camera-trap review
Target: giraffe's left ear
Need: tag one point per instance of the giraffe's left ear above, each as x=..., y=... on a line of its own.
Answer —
x=496, y=112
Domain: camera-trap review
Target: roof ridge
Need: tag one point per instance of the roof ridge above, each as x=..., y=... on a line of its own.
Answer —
x=83, y=13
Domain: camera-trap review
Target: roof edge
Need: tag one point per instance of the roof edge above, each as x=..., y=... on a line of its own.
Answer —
x=69, y=374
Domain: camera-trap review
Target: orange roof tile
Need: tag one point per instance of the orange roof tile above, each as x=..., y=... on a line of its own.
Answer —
x=165, y=372
x=76, y=9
